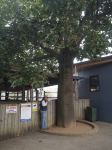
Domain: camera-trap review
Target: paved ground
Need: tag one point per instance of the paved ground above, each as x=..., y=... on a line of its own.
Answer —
x=39, y=141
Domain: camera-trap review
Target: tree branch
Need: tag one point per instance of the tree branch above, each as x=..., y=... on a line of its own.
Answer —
x=48, y=50
x=48, y=56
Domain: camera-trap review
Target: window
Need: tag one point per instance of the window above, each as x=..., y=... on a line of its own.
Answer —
x=94, y=83
x=3, y=95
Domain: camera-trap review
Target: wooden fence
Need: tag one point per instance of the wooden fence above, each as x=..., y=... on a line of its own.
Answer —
x=51, y=113
x=79, y=108
x=11, y=124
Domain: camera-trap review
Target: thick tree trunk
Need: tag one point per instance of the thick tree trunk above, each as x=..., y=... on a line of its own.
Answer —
x=65, y=107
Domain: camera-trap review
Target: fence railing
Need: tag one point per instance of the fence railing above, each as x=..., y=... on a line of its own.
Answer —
x=79, y=108
x=11, y=125
x=51, y=113
x=10, y=120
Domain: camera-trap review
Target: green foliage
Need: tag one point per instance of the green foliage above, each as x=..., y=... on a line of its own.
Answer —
x=99, y=45
x=29, y=72
x=34, y=33
x=71, y=21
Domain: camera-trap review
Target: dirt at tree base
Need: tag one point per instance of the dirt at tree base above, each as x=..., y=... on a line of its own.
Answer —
x=78, y=128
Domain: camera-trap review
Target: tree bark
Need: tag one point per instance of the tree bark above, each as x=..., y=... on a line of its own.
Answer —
x=65, y=107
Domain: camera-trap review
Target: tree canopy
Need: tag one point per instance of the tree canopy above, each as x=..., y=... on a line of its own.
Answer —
x=21, y=61
x=40, y=29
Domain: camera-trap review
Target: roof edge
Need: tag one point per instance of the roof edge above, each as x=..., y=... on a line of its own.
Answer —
x=95, y=62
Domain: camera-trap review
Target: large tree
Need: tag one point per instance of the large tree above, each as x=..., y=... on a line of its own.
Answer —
x=63, y=30
x=76, y=29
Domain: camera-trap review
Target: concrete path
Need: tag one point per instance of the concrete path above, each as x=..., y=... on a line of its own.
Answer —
x=39, y=141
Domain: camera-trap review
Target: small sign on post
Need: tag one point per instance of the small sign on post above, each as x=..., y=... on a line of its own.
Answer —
x=34, y=106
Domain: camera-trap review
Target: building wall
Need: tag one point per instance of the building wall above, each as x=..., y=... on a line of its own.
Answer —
x=101, y=99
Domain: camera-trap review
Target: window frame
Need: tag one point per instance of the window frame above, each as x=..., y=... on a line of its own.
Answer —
x=94, y=87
